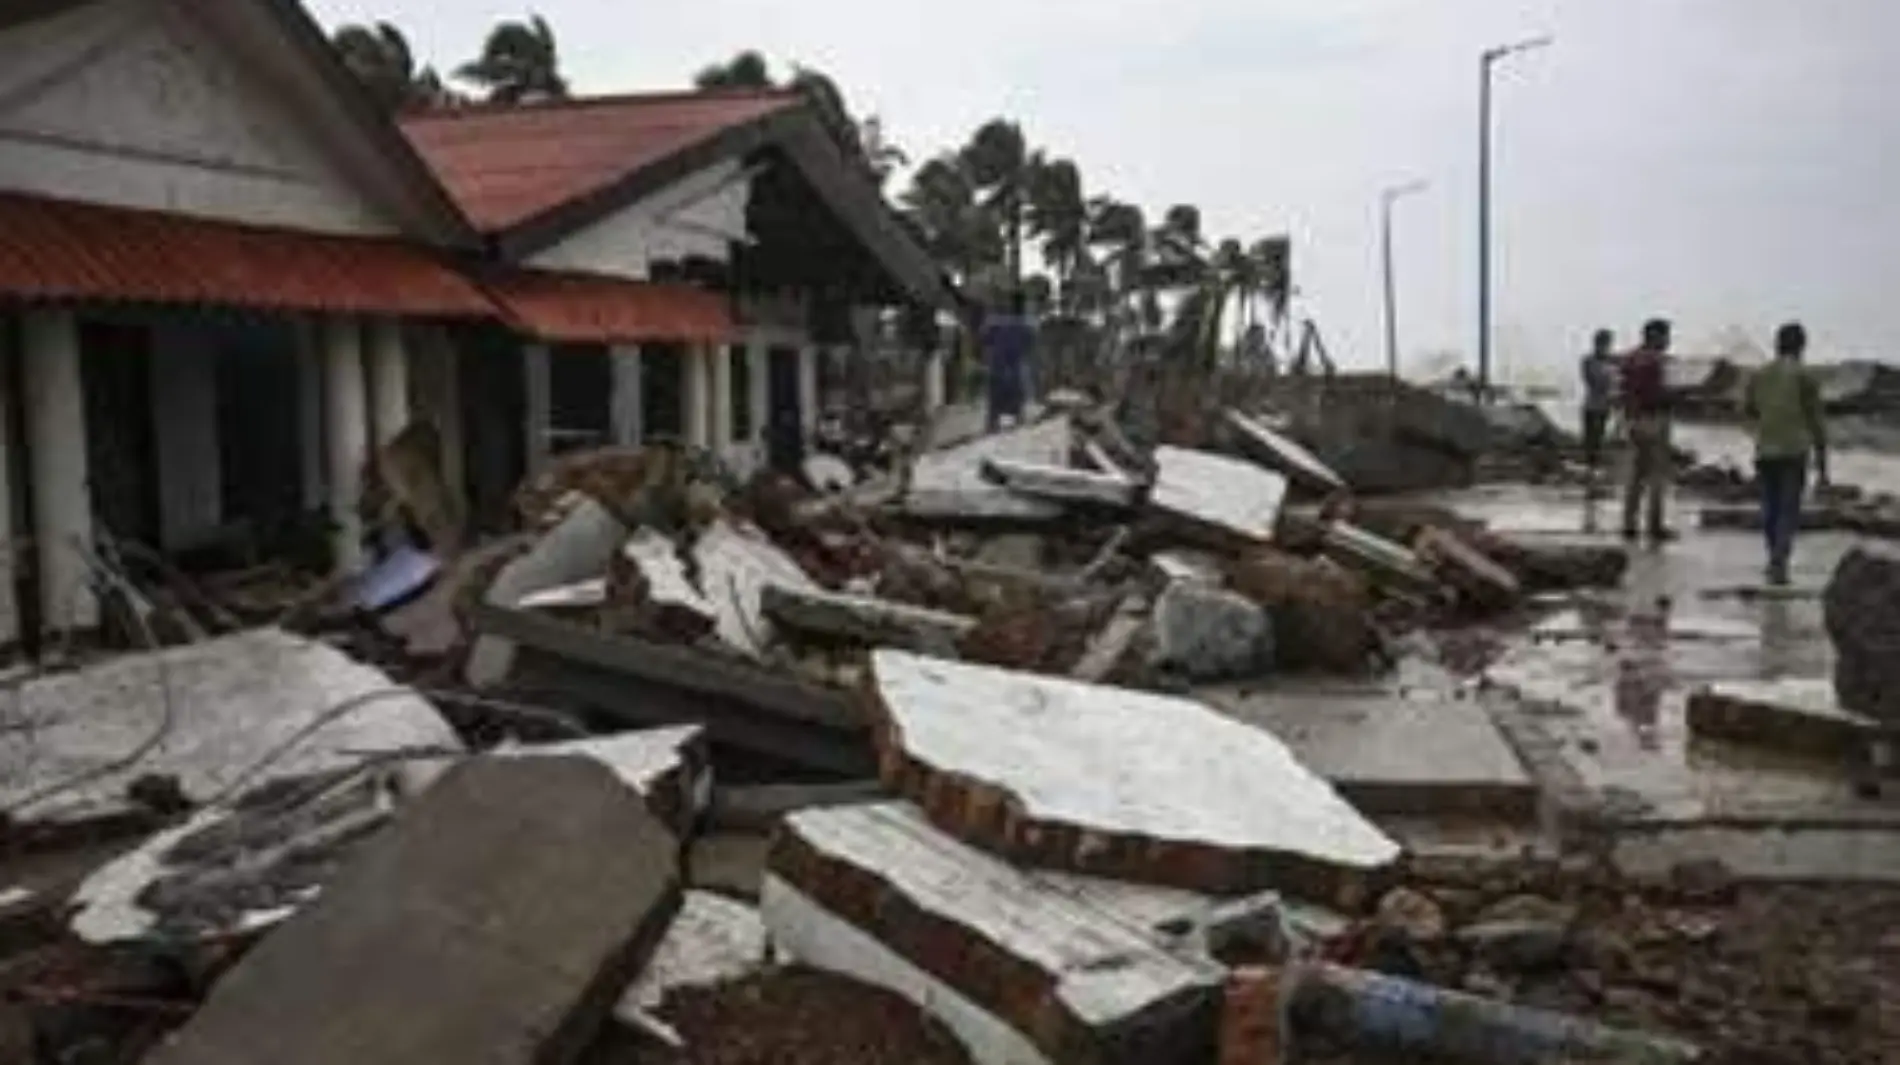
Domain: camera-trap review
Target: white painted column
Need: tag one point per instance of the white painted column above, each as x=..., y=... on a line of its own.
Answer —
x=627, y=398
x=345, y=434
x=538, y=389
x=808, y=389
x=721, y=358
x=310, y=410
x=56, y=434
x=933, y=382
x=758, y=387
x=389, y=378
x=695, y=395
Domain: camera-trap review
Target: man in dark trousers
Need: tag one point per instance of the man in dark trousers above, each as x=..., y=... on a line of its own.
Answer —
x=1599, y=392
x=1783, y=408
x=1646, y=419
x=1008, y=341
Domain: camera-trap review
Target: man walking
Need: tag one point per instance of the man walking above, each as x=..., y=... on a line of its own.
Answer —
x=1599, y=389
x=1646, y=416
x=1783, y=407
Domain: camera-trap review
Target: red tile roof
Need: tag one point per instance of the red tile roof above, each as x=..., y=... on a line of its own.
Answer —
x=584, y=308
x=58, y=250
x=505, y=165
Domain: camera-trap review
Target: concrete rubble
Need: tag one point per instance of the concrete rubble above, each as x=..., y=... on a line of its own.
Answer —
x=439, y=943
x=1045, y=746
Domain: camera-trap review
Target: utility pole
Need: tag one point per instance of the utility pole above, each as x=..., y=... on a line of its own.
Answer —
x=1386, y=200
x=1490, y=59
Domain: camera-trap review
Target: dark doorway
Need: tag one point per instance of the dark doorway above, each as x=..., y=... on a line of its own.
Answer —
x=121, y=446
x=260, y=439
x=662, y=390
x=580, y=397
x=784, y=418
x=494, y=415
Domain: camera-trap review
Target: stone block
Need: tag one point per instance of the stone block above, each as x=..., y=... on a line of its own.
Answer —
x=1204, y=634
x=1114, y=782
x=497, y=922
x=1863, y=619
x=1019, y=966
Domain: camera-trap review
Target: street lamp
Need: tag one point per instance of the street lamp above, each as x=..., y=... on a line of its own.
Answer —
x=1490, y=59
x=1386, y=200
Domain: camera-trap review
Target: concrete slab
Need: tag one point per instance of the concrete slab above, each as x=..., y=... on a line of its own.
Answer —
x=577, y=549
x=1388, y=751
x=496, y=923
x=1062, y=484
x=672, y=767
x=1115, y=782
x=866, y=620
x=713, y=939
x=950, y=483
x=1021, y=969
x=736, y=563
x=1232, y=497
x=1793, y=714
x=1283, y=453
x=250, y=707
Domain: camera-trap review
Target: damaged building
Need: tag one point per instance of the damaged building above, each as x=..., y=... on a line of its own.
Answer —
x=227, y=279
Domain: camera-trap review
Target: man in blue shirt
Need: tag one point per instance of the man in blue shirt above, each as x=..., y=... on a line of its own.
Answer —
x=1008, y=341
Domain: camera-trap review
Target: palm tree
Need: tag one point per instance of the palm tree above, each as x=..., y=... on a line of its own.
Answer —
x=380, y=57
x=998, y=160
x=1059, y=214
x=518, y=62
x=942, y=202
x=747, y=70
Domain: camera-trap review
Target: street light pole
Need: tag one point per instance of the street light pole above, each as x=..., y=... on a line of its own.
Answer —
x=1490, y=58
x=1386, y=200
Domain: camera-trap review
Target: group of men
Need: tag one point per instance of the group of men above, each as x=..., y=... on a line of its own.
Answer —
x=1781, y=405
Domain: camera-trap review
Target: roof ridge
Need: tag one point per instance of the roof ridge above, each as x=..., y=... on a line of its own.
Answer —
x=479, y=109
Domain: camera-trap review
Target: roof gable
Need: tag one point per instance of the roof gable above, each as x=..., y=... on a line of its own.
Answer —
x=231, y=109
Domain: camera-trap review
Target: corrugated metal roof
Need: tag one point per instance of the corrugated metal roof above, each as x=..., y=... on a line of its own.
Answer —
x=59, y=250
x=505, y=165
x=584, y=308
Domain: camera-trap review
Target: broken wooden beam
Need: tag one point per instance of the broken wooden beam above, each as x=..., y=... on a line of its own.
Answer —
x=1470, y=571
x=1389, y=563
x=866, y=620
x=1018, y=966
x=1115, y=782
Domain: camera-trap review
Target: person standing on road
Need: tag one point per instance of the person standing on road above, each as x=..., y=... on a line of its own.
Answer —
x=1646, y=419
x=1599, y=391
x=1008, y=340
x=1783, y=407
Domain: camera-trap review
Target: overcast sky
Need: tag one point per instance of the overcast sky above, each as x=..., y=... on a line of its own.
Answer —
x=1728, y=163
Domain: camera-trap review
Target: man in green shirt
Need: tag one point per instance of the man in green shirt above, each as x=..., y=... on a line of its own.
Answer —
x=1783, y=406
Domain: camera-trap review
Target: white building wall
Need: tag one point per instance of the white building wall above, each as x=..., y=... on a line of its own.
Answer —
x=127, y=102
x=700, y=215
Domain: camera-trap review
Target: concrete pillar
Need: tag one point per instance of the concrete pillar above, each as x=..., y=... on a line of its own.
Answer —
x=345, y=434
x=11, y=549
x=759, y=385
x=695, y=395
x=389, y=378
x=934, y=383
x=627, y=400
x=539, y=390
x=721, y=358
x=55, y=405
x=808, y=389
x=310, y=410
